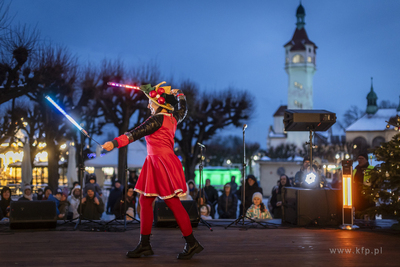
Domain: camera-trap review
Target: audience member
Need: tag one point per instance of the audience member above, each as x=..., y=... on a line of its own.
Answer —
x=192, y=189
x=205, y=212
x=227, y=203
x=92, y=184
x=47, y=193
x=299, y=178
x=56, y=199
x=212, y=196
x=63, y=204
x=92, y=206
x=250, y=188
x=115, y=194
x=187, y=196
x=120, y=204
x=73, y=186
x=39, y=194
x=73, y=200
x=233, y=184
x=257, y=210
x=27, y=196
x=276, y=197
x=5, y=201
x=133, y=178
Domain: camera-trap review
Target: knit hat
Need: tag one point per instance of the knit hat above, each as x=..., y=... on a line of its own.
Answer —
x=160, y=95
x=257, y=194
x=364, y=155
x=59, y=191
x=27, y=186
x=92, y=176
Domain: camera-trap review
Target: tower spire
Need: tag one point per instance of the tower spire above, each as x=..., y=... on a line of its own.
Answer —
x=372, y=108
x=300, y=14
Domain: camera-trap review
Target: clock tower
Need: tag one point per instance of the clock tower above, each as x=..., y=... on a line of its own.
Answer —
x=300, y=55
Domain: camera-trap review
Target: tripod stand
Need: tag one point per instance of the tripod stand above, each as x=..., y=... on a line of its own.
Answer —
x=241, y=218
x=200, y=187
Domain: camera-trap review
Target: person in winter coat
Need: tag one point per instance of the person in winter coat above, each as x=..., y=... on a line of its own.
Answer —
x=192, y=189
x=92, y=182
x=212, y=195
x=5, y=201
x=73, y=201
x=276, y=198
x=120, y=204
x=27, y=196
x=233, y=184
x=47, y=193
x=227, y=204
x=251, y=188
x=92, y=206
x=258, y=210
x=115, y=194
x=62, y=204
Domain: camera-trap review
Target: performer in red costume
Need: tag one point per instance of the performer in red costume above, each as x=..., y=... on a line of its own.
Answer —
x=162, y=174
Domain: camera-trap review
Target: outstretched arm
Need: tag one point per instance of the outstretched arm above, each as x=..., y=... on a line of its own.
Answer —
x=180, y=114
x=148, y=127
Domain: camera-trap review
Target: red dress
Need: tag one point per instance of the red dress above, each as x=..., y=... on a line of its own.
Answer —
x=162, y=172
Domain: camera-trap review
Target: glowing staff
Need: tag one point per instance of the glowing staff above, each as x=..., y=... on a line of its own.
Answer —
x=124, y=85
x=69, y=118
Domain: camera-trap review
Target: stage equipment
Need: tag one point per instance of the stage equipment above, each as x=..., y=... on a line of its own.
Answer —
x=308, y=120
x=163, y=216
x=70, y=119
x=33, y=214
x=243, y=216
x=201, y=187
x=124, y=85
x=303, y=207
x=348, y=209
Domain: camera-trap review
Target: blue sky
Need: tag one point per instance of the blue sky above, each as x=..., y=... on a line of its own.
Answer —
x=219, y=44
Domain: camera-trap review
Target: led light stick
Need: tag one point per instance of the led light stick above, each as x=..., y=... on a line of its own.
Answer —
x=123, y=85
x=70, y=119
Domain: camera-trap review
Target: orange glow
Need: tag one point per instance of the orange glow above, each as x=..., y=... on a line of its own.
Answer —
x=347, y=198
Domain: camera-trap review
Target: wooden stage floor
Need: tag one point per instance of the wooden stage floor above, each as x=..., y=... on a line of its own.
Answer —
x=275, y=246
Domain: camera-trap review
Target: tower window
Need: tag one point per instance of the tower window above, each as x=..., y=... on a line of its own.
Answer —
x=309, y=49
x=298, y=59
x=309, y=59
x=287, y=60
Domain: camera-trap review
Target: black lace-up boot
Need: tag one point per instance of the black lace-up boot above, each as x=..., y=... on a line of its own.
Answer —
x=192, y=247
x=142, y=249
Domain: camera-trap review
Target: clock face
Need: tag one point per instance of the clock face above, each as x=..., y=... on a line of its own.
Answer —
x=298, y=85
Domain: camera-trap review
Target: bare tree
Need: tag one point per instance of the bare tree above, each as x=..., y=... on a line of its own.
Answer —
x=209, y=113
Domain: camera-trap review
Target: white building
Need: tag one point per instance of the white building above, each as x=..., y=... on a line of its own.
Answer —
x=300, y=65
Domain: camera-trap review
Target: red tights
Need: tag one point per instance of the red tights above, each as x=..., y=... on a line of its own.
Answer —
x=174, y=204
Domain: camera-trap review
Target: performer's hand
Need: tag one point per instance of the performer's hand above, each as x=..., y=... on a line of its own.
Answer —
x=108, y=146
x=174, y=91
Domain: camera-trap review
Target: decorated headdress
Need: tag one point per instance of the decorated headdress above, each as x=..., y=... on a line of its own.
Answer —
x=160, y=95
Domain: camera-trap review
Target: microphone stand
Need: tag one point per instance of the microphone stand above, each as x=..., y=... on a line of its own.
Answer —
x=241, y=218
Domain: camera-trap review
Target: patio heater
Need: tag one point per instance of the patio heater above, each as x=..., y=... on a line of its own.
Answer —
x=347, y=209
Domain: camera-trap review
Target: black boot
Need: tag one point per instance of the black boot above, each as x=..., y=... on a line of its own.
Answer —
x=142, y=249
x=192, y=246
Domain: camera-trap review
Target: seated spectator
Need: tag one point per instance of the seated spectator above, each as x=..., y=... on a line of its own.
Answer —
x=212, y=196
x=258, y=210
x=63, y=204
x=133, y=178
x=272, y=192
x=202, y=200
x=73, y=201
x=96, y=186
x=27, y=196
x=276, y=197
x=187, y=196
x=56, y=199
x=5, y=202
x=74, y=184
x=233, y=184
x=227, y=204
x=39, y=194
x=250, y=188
x=205, y=212
x=192, y=189
x=120, y=204
x=47, y=193
x=115, y=194
x=92, y=206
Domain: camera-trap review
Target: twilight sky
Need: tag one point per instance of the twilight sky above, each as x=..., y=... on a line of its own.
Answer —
x=219, y=43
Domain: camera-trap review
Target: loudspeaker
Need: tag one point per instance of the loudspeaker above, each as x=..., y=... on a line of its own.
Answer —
x=163, y=216
x=304, y=207
x=33, y=214
x=308, y=119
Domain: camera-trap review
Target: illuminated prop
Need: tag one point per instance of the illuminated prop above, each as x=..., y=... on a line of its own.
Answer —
x=310, y=178
x=70, y=119
x=348, y=209
x=124, y=85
